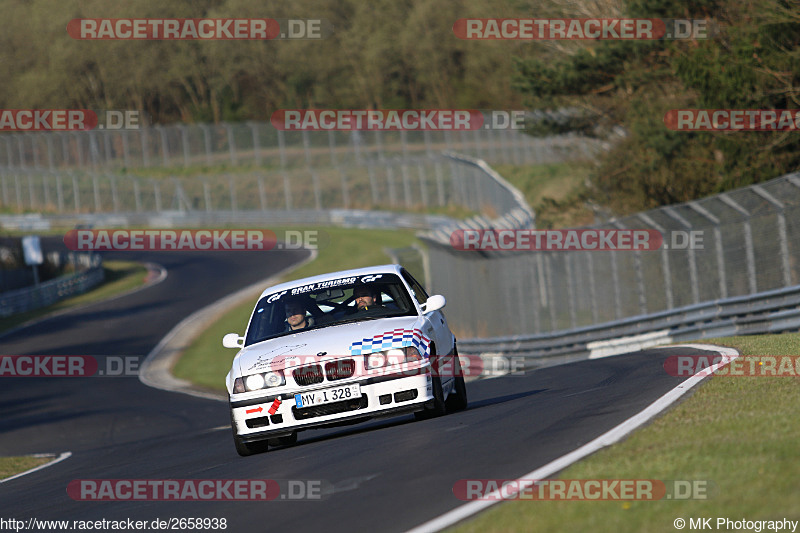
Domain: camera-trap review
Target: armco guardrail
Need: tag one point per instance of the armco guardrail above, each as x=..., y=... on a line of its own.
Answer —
x=769, y=312
x=49, y=292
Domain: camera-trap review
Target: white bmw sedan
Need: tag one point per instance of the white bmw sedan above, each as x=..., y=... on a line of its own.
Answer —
x=338, y=349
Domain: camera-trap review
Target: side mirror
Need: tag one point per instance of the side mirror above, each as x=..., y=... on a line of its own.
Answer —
x=232, y=340
x=434, y=303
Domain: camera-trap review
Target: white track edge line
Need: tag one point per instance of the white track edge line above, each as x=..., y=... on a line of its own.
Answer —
x=606, y=439
x=61, y=457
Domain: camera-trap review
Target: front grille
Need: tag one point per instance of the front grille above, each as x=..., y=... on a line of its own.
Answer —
x=352, y=404
x=341, y=369
x=308, y=375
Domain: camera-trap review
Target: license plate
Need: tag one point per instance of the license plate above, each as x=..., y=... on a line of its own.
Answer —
x=323, y=396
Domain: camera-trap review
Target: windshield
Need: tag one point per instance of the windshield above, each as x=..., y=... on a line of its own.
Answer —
x=326, y=303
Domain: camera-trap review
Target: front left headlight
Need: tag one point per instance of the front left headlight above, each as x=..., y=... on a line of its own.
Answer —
x=259, y=381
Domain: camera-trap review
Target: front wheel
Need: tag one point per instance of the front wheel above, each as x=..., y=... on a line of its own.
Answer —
x=247, y=448
x=439, y=408
x=457, y=400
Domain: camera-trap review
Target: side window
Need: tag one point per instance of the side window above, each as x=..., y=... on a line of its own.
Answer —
x=417, y=290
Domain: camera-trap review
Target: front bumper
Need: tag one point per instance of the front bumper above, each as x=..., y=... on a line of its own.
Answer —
x=380, y=397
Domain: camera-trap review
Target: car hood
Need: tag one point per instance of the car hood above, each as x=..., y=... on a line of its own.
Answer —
x=328, y=343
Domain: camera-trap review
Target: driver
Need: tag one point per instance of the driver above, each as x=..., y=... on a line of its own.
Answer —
x=367, y=297
x=295, y=309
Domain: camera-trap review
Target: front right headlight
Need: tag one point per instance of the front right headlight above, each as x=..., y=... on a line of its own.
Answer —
x=254, y=382
x=391, y=357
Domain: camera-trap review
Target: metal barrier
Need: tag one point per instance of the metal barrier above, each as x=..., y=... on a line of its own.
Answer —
x=750, y=245
x=49, y=292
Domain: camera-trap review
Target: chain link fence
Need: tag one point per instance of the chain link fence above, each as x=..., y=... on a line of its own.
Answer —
x=749, y=242
x=260, y=168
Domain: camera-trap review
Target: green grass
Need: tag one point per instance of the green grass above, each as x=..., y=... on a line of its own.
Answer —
x=206, y=362
x=741, y=433
x=11, y=466
x=553, y=190
x=121, y=276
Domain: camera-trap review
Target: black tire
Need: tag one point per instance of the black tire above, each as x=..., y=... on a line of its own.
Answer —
x=288, y=440
x=247, y=448
x=457, y=400
x=439, y=408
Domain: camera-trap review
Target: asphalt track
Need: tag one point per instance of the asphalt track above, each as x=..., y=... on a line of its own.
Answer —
x=386, y=475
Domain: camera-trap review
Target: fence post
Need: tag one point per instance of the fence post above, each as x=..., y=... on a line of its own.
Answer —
x=723, y=285
x=748, y=241
x=664, y=260
x=786, y=270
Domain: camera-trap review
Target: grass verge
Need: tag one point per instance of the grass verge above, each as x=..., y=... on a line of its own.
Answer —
x=555, y=192
x=11, y=466
x=121, y=276
x=206, y=362
x=739, y=433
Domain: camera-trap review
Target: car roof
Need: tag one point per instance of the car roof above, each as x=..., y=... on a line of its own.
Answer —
x=379, y=269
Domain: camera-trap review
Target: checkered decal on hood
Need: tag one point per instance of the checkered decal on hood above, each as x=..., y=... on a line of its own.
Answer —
x=398, y=338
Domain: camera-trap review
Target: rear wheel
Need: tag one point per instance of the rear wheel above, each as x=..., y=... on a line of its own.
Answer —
x=457, y=400
x=247, y=448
